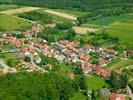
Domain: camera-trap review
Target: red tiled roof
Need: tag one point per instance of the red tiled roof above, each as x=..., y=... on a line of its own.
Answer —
x=71, y=75
x=88, y=47
x=119, y=72
x=85, y=66
x=117, y=96
x=84, y=57
x=106, y=73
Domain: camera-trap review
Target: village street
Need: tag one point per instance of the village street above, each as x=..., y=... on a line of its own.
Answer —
x=38, y=67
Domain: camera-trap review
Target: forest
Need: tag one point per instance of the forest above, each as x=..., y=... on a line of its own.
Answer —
x=36, y=86
x=84, y=5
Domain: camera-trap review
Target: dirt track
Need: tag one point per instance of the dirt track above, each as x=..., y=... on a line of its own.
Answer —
x=19, y=10
x=83, y=30
x=64, y=15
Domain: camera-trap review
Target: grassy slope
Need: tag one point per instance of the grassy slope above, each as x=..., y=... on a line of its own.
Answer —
x=10, y=23
x=8, y=7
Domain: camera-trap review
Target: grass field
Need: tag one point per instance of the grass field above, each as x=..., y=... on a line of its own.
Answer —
x=118, y=26
x=110, y=19
x=95, y=82
x=8, y=7
x=10, y=23
x=123, y=30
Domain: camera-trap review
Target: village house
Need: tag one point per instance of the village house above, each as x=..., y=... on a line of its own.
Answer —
x=87, y=49
x=129, y=52
x=84, y=57
x=102, y=62
x=118, y=72
x=115, y=96
x=105, y=91
x=101, y=71
x=48, y=66
x=86, y=68
x=71, y=75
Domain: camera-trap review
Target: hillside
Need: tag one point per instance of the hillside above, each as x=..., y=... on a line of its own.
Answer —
x=86, y=5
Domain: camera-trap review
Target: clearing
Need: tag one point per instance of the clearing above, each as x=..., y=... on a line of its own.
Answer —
x=64, y=15
x=19, y=10
x=11, y=23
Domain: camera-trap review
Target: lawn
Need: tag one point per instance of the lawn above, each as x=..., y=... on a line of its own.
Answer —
x=95, y=82
x=110, y=19
x=8, y=7
x=11, y=23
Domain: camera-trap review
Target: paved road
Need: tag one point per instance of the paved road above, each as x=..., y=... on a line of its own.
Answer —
x=130, y=92
x=32, y=61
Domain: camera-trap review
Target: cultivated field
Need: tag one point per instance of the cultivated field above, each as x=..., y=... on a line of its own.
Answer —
x=64, y=15
x=83, y=30
x=72, y=12
x=19, y=10
x=11, y=23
